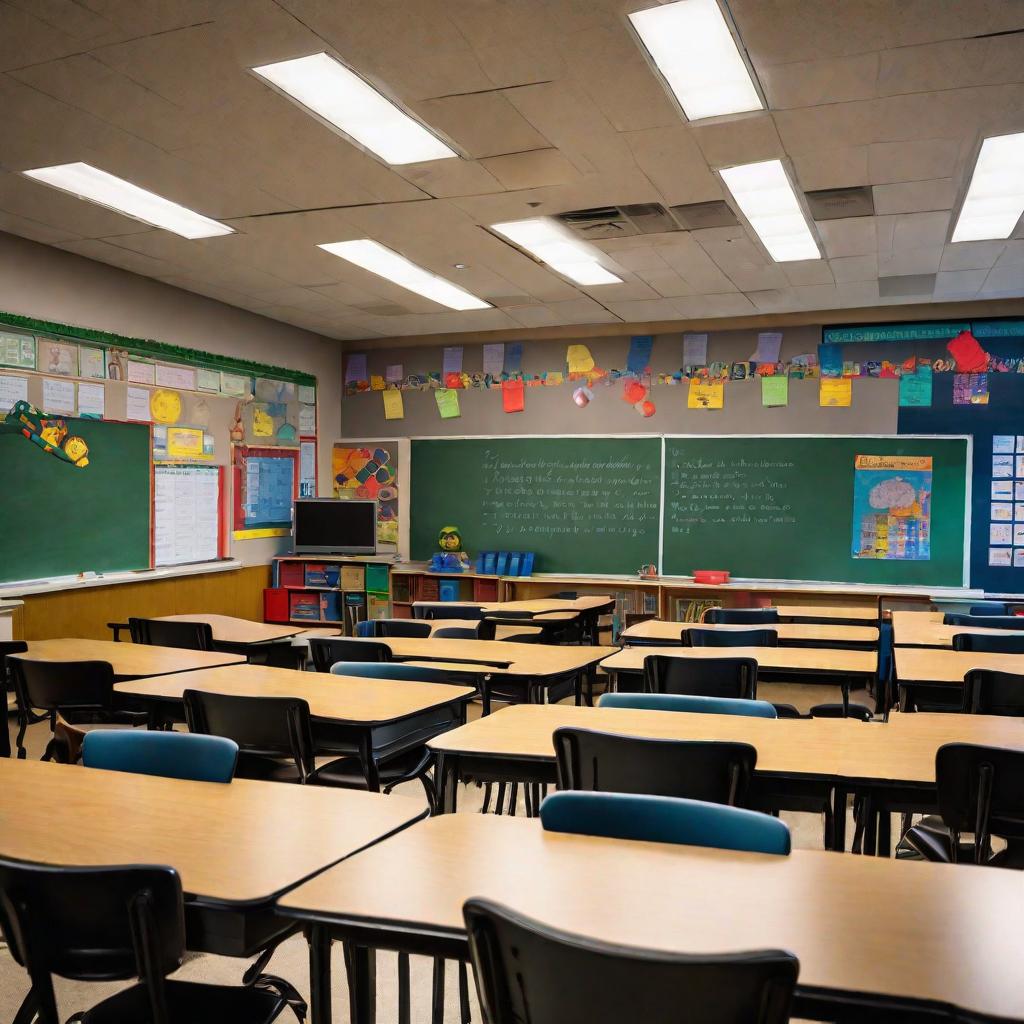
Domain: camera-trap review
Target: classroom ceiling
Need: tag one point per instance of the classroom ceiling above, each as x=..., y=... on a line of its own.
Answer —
x=556, y=110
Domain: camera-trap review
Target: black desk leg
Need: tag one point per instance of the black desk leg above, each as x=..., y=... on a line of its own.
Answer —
x=319, y=974
x=446, y=781
x=361, y=966
x=839, y=819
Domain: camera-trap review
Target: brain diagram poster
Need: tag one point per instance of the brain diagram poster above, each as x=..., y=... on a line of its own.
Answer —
x=892, y=503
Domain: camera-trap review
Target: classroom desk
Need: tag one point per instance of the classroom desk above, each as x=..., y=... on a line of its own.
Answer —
x=820, y=634
x=500, y=632
x=813, y=613
x=932, y=665
x=585, y=603
x=873, y=936
x=920, y=629
x=244, y=632
x=371, y=718
x=237, y=847
x=129, y=661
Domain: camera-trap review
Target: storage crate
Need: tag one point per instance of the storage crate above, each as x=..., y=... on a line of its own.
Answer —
x=316, y=575
x=377, y=607
x=400, y=585
x=485, y=590
x=425, y=588
x=353, y=577
x=291, y=574
x=275, y=604
x=377, y=578
x=448, y=590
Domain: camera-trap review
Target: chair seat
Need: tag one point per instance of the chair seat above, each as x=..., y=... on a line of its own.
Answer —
x=343, y=772
x=930, y=840
x=858, y=711
x=190, y=1003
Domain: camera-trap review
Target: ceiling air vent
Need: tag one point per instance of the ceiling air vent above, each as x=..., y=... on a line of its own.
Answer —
x=600, y=222
x=906, y=284
x=650, y=218
x=834, y=203
x=694, y=216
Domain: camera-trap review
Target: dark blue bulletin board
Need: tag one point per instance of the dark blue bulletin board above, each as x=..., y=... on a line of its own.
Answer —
x=1003, y=415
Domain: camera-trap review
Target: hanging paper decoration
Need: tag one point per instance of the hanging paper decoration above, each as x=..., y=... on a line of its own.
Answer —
x=48, y=432
x=647, y=409
x=633, y=391
x=582, y=397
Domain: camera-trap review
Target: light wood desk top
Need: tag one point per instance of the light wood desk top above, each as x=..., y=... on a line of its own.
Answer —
x=949, y=933
x=339, y=698
x=541, y=604
x=229, y=630
x=935, y=665
x=657, y=629
x=860, y=613
x=921, y=629
x=129, y=661
x=524, y=731
x=517, y=659
x=245, y=841
x=797, y=659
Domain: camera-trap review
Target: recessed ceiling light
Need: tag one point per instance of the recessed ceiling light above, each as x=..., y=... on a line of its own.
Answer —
x=768, y=201
x=88, y=182
x=333, y=92
x=691, y=45
x=459, y=266
x=995, y=197
x=378, y=259
x=554, y=245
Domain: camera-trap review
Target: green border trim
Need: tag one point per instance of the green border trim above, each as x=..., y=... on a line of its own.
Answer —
x=157, y=349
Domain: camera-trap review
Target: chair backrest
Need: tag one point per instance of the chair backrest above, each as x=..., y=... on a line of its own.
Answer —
x=716, y=771
x=443, y=611
x=9, y=647
x=443, y=673
x=980, y=790
x=736, y=616
x=193, y=636
x=274, y=727
x=688, y=703
x=526, y=971
x=325, y=651
x=989, y=608
x=456, y=633
x=174, y=755
x=279, y=655
x=994, y=693
x=990, y=621
x=401, y=627
x=731, y=638
x=701, y=677
x=664, y=819
x=68, y=685
x=990, y=643
x=92, y=924
x=489, y=626
x=366, y=628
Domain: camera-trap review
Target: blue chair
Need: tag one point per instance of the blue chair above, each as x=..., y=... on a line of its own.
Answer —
x=664, y=819
x=989, y=608
x=692, y=704
x=366, y=629
x=174, y=755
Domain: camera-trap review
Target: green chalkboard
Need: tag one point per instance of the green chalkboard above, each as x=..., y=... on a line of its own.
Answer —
x=582, y=504
x=783, y=508
x=58, y=520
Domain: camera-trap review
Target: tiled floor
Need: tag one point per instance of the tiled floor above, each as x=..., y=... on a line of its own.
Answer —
x=291, y=961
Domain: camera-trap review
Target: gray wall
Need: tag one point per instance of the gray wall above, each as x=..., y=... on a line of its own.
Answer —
x=551, y=410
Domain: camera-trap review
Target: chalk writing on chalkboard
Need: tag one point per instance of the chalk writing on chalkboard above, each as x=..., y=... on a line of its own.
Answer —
x=715, y=491
x=528, y=496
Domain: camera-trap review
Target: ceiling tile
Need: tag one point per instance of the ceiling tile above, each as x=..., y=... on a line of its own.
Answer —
x=915, y=196
x=847, y=269
x=920, y=160
x=816, y=82
x=959, y=284
x=532, y=170
x=481, y=124
x=852, y=236
x=971, y=255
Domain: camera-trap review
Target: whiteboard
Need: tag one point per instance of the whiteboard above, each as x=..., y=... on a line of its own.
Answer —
x=186, y=514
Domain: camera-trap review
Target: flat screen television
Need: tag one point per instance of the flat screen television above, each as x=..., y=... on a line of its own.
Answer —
x=335, y=526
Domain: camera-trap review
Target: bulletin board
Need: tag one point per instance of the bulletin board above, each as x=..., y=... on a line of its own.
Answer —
x=266, y=484
x=188, y=514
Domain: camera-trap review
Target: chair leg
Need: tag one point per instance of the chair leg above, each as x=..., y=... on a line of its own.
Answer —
x=464, y=1012
x=487, y=798
x=499, y=805
x=437, y=1001
x=403, y=988
x=884, y=833
x=513, y=799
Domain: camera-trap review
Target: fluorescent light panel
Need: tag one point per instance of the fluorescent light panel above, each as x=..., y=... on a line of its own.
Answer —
x=332, y=91
x=96, y=186
x=765, y=196
x=555, y=246
x=995, y=197
x=378, y=259
x=691, y=45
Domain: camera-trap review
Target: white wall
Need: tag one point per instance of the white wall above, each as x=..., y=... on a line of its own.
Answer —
x=50, y=284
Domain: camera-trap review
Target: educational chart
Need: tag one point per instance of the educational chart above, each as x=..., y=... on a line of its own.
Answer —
x=266, y=482
x=186, y=514
x=581, y=504
x=1006, y=509
x=369, y=473
x=892, y=501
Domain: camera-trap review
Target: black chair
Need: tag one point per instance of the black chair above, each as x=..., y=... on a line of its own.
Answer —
x=701, y=677
x=401, y=627
x=988, y=621
x=282, y=655
x=716, y=772
x=78, y=691
x=730, y=638
x=193, y=636
x=7, y=686
x=994, y=693
x=980, y=791
x=443, y=611
x=275, y=743
x=991, y=643
x=325, y=651
x=738, y=616
x=456, y=633
x=114, y=924
x=526, y=971
x=489, y=627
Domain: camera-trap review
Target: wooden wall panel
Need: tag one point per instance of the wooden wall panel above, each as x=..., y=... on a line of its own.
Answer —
x=85, y=613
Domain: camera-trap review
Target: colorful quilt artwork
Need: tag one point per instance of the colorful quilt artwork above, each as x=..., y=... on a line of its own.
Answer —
x=369, y=473
x=892, y=501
